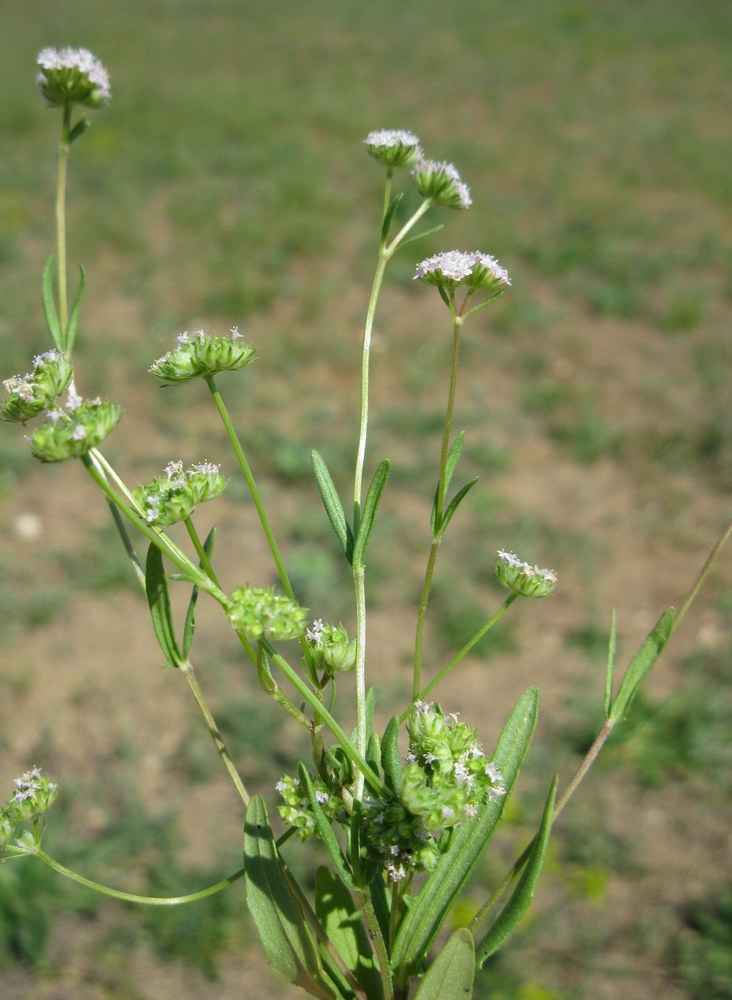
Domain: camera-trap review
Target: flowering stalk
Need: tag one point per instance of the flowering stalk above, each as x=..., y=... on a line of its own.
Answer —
x=61, y=277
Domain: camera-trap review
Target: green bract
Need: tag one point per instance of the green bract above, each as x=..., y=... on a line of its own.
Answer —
x=72, y=435
x=441, y=182
x=522, y=578
x=262, y=613
x=172, y=497
x=33, y=393
x=202, y=355
x=332, y=650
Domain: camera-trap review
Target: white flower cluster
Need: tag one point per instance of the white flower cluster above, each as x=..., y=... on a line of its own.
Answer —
x=522, y=578
x=69, y=67
x=457, y=267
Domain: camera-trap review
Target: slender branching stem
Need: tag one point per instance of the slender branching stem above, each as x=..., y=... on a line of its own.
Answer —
x=63, y=161
x=201, y=552
x=359, y=581
x=128, y=897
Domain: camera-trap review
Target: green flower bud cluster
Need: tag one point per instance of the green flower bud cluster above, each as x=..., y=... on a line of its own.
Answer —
x=33, y=795
x=73, y=434
x=297, y=810
x=445, y=780
x=262, y=613
x=332, y=650
x=441, y=182
x=173, y=496
x=72, y=76
x=31, y=394
x=475, y=270
x=201, y=355
x=394, y=147
x=522, y=578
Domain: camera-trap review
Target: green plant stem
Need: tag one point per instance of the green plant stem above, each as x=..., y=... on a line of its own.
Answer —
x=312, y=699
x=188, y=672
x=268, y=685
x=63, y=160
x=703, y=572
x=377, y=940
x=439, y=504
x=200, y=551
x=359, y=582
x=463, y=653
x=251, y=483
x=128, y=897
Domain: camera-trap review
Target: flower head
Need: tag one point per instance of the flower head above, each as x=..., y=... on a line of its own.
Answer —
x=72, y=76
x=31, y=394
x=201, y=355
x=522, y=578
x=172, y=497
x=474, y=269
x=331, y=648
x=72, y=435
x=394, y=147
x=33, y=794
x=441, y=182
x=260, y=612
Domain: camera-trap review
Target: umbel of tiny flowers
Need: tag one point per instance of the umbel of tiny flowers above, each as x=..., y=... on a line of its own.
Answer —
x=201, y=355
x=297, y=810
x=31, y=394
x=172, y=497
x=394, y=147
x=474, y=270
x=331, y=649
x=262, y=613
x=523, y=579
x=72, y=432
x=72, y=76
x=33, y=795
x=441, y=183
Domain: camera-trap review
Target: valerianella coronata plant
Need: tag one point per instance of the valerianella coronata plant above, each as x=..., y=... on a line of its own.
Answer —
x=405, y=812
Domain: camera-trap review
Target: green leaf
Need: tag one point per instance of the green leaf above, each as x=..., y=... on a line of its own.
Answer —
x=158, y=599
x=75, y=310
x=332, y=504
x=452, y=458
x=421, y=236
x=326, y=830
x=611, y=647
x=391, y=761
x=641, y=664
x=283, y=930
x=430, y=906
x=515, y=909
x=370, y=507
x=49, y=304
x=389, y=215
x=450, y=976
x=343, y=924
x=79, y=129
x=373, y=752
x=454, y=504
x=190, y=624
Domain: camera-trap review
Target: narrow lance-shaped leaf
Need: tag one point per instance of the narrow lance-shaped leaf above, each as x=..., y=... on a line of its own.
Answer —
x=641, y=664
x=454, y=504
x=450, y=976
x=332, y=504
x=425, y=916
x=74, y=314
x=611, y=647
x=391, y=761
x=283, y=930
x=79, y=129
x=343, y=923
x=190, y=624
x=326, y=830
x=515, y=909
x=421, y=236
x=49, y=304
x=452, y=458
x=389, y=215
x=370, y=507
x=158, y=599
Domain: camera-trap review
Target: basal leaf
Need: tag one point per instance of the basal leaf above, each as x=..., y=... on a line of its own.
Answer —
x=514, y=910
x=450, y=976
x=425, y=917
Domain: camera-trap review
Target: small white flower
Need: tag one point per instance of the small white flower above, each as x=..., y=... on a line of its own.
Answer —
x=78, y=433
x=321, y=797
x=73, y=401
x=447, y=812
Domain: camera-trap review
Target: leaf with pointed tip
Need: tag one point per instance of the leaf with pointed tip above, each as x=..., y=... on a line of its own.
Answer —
x=451, y=974
x=611, y=647
x=389, y=215
x=283, y=930
x=49, y=304
x=430, y=906
x=391, y=761
x=332, y=503
x=190, y=624
x=74, y=314
x=454, y=504
x=326, y=830
x=343, y=923
x=640, y=665
x=79, y=129
x=513, y=912
x=421, y=236
x=370, y=507
x=452, y=458
x=158, y=599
